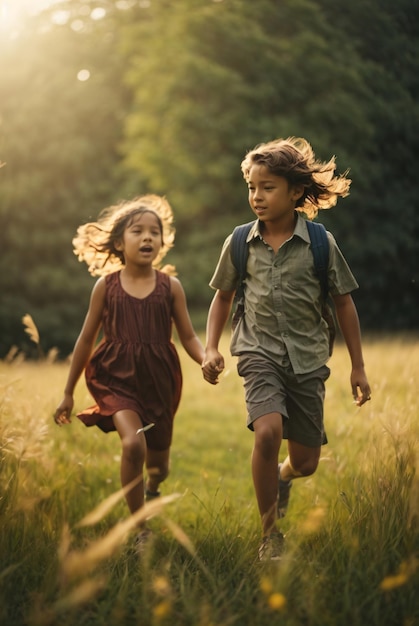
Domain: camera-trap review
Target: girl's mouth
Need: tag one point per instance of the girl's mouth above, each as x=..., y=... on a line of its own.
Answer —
x=146, y=249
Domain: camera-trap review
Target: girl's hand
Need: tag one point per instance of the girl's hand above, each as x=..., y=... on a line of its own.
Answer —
x=212, y=367
x=62, y=414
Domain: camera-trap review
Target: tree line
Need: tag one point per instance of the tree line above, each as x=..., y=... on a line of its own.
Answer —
x=105, y=100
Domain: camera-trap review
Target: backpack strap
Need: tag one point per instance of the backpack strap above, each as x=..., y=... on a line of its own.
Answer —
x=239, y=252
x=320, y=250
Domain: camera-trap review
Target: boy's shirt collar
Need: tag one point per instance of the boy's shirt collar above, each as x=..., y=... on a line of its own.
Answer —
x=300, y=230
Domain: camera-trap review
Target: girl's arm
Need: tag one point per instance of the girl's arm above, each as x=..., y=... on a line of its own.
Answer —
x=218, y=314
x=82, y=351
x=185, y=330
x=349, y=324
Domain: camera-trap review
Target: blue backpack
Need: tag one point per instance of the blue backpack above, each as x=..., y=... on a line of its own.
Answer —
x=319, y=245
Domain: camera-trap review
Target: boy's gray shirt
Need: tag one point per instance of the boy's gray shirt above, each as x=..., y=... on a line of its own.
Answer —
x=282, y=317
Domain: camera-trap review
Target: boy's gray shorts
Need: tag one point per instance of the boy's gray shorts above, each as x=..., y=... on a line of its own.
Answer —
x=299, y=398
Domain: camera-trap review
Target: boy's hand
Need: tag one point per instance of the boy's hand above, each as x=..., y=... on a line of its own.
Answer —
x=212, y=366
x=361, y=390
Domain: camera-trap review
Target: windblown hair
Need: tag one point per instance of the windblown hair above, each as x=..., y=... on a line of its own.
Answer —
x=95, y=241
x=294, y=159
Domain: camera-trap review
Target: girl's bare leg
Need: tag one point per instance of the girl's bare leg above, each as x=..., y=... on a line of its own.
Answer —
x=268, y=437
x=157, y=464
x=134, y=449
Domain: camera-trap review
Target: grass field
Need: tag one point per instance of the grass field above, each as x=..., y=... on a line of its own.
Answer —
x=66, y=551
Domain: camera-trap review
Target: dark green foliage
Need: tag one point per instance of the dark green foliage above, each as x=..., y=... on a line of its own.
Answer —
x=178, y=92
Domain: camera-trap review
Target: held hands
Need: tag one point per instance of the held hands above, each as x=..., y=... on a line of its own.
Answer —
x=62, y=414
x=212, y=366
x=361, y=390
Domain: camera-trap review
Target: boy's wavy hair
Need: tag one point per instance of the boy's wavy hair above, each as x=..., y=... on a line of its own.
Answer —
x=294, y=159
x=95, y=241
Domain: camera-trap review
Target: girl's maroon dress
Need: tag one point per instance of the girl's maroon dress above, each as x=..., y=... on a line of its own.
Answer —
x=136, y=365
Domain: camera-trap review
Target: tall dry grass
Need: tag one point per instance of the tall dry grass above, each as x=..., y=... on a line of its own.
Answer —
x=66, y=541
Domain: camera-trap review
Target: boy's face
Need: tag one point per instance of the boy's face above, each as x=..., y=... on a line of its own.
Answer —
x=271, y=197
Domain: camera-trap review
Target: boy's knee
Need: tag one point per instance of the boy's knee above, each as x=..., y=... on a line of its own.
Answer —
x=268, y=440
x=306, y=467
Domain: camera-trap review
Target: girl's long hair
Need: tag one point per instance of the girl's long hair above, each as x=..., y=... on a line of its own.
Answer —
x=95, y=241
x=294, y=159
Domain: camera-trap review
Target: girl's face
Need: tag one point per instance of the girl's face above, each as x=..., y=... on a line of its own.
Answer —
x=271, y=197
x=142, y=239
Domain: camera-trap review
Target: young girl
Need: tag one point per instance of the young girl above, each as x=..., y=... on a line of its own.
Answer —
x=134, y=374
x=282, y=341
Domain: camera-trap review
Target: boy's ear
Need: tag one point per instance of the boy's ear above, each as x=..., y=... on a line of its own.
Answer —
x=298, y=191
x=118, y=245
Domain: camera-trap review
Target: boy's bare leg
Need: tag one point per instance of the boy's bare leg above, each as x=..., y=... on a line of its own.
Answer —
x=268, y=437
x=301, y=461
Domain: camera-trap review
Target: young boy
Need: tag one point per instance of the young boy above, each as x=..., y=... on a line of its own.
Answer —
x=282, y=341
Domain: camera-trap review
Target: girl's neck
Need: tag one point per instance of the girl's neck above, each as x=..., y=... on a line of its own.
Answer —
x=138, y=283
x=132, y=272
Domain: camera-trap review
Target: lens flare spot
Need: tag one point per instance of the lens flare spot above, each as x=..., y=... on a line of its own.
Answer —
x=83, y=75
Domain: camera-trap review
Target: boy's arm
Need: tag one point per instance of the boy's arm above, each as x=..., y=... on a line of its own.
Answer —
x=349, y=324
x=218, y=314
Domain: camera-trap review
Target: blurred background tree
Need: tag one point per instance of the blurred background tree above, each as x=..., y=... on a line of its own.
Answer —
x=110, y=99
